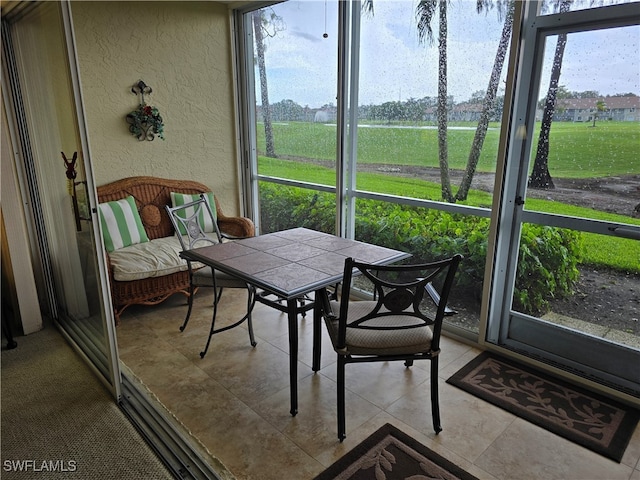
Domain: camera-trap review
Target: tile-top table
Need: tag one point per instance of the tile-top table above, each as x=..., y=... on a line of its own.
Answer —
x=291, y=264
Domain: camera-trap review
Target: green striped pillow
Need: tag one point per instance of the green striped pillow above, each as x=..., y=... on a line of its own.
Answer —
x=178, y=199
x=121, y=224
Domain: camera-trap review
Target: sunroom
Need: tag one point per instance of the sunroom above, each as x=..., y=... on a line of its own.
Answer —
x=351, y=118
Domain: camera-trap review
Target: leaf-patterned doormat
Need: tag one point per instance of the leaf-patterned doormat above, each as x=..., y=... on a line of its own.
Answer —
x=391, y=454
x=598, y=423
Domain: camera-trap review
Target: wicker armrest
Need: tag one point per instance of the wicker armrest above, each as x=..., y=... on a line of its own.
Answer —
x=236, y=227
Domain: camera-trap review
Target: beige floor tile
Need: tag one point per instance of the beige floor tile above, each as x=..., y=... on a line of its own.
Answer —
x=631, y=455
x=305, y=344
x=525, y=451
x=253, y=449
x=315, y=428
x=381, y=383
x=252, y=374
x=200, y=403
x=450, y=352
x=236, y=400
x=469, y=424
x=446, y=369
x=157, y=368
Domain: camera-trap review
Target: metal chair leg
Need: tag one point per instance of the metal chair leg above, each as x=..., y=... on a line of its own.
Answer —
x=192, y=291
x=213, y=321
x=435, y=402
x=341, y=399
x=250, y=304
x=251, y=301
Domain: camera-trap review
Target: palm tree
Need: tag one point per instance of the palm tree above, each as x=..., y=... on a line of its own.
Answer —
x=490, y=96
x=600, y=107
x=258, y=22
x=540, y=176
x=425, y=12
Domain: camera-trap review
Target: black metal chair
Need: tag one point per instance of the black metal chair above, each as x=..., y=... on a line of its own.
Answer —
x=187, y=222
x=403, y=322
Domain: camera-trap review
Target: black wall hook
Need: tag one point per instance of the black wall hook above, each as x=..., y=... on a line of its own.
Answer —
x=141, y=89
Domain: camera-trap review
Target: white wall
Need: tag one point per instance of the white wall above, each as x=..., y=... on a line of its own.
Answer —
x=15, y=249
x=183, y=51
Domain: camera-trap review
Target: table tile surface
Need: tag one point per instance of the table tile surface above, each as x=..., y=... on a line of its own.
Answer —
x=292, y=262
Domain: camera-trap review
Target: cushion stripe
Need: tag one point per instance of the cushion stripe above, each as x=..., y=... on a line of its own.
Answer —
x=121, y=224
x=178, y=199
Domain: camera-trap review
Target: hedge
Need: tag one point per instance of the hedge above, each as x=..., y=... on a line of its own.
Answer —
x=547, y=265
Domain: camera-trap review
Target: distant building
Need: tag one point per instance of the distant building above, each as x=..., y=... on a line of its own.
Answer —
x=619, y=109
x=460, y=112
x=466, y=112
x=321, y=116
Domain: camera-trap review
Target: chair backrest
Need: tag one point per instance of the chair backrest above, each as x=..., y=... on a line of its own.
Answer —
x=399, y=290
x=188, y=221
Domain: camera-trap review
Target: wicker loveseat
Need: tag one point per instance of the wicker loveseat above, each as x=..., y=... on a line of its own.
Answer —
x=151, y=194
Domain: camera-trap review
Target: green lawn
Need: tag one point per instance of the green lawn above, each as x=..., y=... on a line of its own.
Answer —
x=618, y=253
x=577, y=150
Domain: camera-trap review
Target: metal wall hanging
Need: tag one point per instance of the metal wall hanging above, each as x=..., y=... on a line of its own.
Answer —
x=79, y=197
x=145, y=121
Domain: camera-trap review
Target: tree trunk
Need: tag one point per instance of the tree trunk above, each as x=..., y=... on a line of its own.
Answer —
x=488, y=106
x=266, y=108
x=540, y=176
x=442, y=105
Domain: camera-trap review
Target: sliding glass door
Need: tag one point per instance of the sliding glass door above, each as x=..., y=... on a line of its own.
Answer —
x=41, y=80
x=568, y=264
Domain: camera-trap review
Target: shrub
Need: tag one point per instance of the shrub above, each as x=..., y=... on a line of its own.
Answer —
x=548, y=260
x=547, y=266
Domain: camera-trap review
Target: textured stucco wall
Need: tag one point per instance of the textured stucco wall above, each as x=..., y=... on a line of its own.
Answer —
x=183, y=51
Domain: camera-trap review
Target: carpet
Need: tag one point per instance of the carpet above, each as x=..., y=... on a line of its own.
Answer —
x=598, y=423
x=58, y=420
x=390, y=454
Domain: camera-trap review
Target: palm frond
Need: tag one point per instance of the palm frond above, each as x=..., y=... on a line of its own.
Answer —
x=367, y=7
x=425, y=11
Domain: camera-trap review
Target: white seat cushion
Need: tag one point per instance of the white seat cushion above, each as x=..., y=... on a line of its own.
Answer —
x=380, y=342
x=155, y=258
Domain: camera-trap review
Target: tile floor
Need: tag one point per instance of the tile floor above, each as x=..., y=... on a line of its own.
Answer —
x=236, y=401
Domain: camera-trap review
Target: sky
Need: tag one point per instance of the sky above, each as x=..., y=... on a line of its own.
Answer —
x=394, y=66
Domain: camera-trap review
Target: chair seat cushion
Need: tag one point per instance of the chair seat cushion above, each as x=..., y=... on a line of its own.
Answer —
x=155, y=258
x=380, y=342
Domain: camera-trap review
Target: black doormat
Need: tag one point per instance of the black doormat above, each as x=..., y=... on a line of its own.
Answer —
x=391, y=454
x=588, y=419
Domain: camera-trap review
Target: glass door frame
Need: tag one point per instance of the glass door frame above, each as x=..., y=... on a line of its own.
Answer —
x=103, y=359
x=173, y=445
x=516, y=331
x=112, y=359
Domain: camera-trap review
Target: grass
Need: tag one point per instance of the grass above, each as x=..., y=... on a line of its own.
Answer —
x=578, y=150
x=617, y=253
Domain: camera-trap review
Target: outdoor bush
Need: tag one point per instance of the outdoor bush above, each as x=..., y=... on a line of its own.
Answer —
x=286, y=207
x=547, y=266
